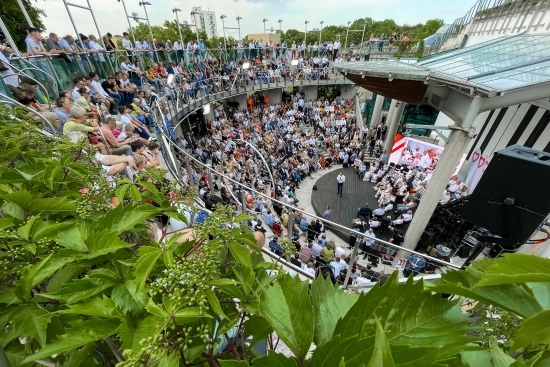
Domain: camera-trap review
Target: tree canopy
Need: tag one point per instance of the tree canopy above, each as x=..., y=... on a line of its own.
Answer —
x=13, y=17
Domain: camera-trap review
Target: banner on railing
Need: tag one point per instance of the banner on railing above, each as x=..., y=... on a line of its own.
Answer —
x=398, y=263
x=477, y=168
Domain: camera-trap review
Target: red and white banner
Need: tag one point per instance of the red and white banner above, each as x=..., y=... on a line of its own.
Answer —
x=413, y=152
x=477, y=168
x=398, y=263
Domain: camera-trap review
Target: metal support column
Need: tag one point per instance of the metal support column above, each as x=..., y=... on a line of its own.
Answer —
x=392, y=126
x=458, y=142
x=290, y=224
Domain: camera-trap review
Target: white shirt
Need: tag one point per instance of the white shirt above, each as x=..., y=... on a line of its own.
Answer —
x=369, y=238
x=361, y=280
x=127, y=45
x=96, y=46
x=341, y=178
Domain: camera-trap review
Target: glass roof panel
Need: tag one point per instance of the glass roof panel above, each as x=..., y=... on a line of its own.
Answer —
x=512, y=58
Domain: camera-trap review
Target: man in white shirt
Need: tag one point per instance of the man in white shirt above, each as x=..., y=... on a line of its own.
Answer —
x=340, y=179
x=336, y=268
x=335, y=48
x=127, y=45
x=369, y=238
x=363, y=279
x=316, y=249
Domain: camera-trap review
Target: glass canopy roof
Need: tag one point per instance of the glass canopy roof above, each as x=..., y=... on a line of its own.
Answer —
x=501, y=64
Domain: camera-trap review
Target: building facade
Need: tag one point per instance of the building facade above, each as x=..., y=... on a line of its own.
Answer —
x=205, y=20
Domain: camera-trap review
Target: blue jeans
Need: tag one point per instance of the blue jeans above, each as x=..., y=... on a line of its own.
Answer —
x=119, y=97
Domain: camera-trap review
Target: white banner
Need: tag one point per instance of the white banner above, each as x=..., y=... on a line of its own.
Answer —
x=477, y=168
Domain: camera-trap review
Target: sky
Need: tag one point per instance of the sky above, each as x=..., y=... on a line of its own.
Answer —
x=110, y=13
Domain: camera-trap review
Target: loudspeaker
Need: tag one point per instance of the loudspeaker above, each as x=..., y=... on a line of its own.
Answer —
x=425, y=239
x=511, y=199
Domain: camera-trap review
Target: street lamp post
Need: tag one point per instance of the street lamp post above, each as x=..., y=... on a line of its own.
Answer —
x=131, y=30
x=305, y=34
x=347, y=32
x=265, y=34
x=175, y=10
x=144, y=4
x=239, y=26
x=222, y=17
x=194, y=15
x=320, y=33
x=280, y=21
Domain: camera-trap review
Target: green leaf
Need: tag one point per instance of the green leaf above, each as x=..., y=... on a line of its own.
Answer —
x=516, y=268
x=148, y=257
x=53, y=205
x=30, y=320
x=20, y=198
x=78, y=290
x=104, y=243
x=6, y=222
x=153, y=308
x=214, y=302
x=245, y=277
x=169, y=360
x=240, y=253
x=330, y=304
x=127, y=298
x=287, y=307
x=13, y=210
x=96, y=307
x=131, y=335
x=190, y=314
x=73, y=238
x=510, y=297
x=534, y=331
x=410, y=316
x=382, y=355
x=257, y=328
x=81, y=333
x=499, y=358
x=273, y=359
x=134, y=193
x=35, y=274
x=242, y=217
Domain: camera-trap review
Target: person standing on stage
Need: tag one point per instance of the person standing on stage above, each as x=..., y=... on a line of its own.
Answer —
x=340, y=179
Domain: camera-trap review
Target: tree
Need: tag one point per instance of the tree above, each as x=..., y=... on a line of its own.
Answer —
x=430, y=27
x=13, y=17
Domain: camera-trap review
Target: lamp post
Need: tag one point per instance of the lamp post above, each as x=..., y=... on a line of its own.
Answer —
x=194, y=15
x=144, y=4
x=305, y=33
x=175, y=11
x=239, y=26
x=347, y=32
x=280, y=21
x=222, y=17
x=131, y=30
x=320, y=33
x=265, y=34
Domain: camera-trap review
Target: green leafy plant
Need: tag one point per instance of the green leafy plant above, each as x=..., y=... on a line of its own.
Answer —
x=84, y=282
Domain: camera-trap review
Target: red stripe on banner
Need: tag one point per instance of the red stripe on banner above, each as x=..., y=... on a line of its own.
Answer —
x=399, y=145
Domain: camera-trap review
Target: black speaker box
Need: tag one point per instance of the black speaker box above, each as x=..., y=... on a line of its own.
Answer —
x=425, y=239
x=515, y=172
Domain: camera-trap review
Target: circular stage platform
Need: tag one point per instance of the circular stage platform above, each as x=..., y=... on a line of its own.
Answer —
x=344, y=209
